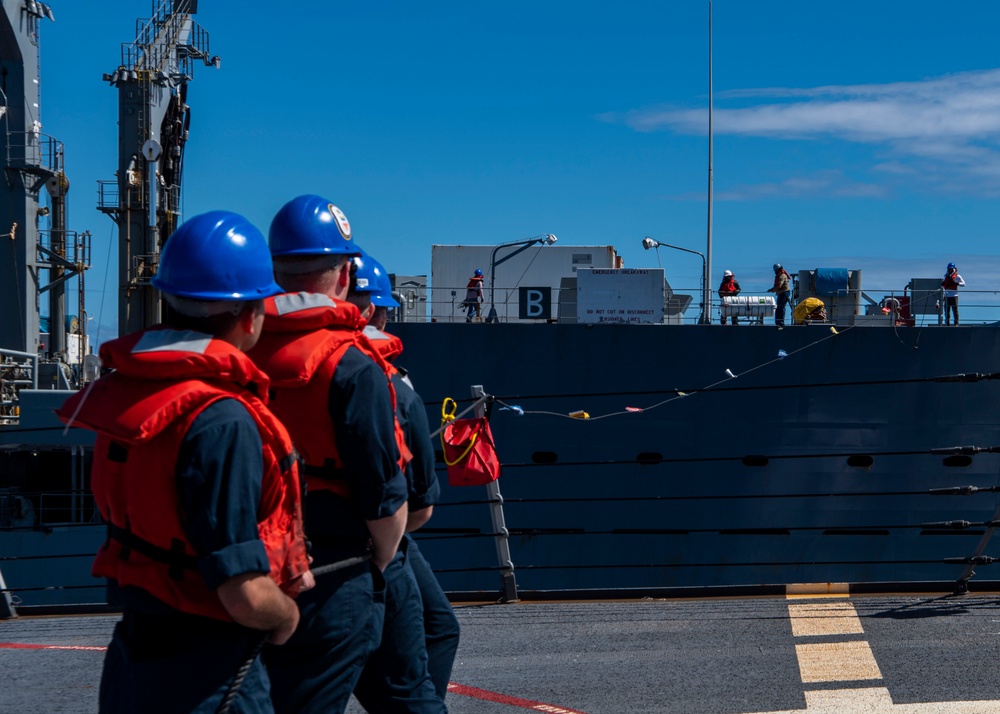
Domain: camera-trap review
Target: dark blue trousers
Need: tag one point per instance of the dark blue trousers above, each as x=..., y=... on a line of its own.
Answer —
x=340, y=625
x=440, y=624
x=396, y=679
x=779, y=313
x=163, y=664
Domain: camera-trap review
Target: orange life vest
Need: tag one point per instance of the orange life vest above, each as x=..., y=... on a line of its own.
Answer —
x=163, y=380
x=375, y=352
x=305, y=336
x=474, y=290
x=389, y=347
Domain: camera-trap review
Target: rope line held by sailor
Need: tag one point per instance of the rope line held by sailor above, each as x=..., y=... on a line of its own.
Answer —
x=237, y=681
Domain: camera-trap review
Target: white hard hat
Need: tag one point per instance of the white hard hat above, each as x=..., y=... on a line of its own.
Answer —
x=728, y=274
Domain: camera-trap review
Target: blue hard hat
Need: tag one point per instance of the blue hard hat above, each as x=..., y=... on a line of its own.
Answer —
x=382, y=297
x=370, y=277
x=478, y=273
x=365, y=280
x=217, y=255
x=951, y=266
x=311, y=225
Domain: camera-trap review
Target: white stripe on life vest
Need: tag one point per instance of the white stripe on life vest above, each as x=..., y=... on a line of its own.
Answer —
x=173, y=341
x=373, y=333
x=294, y=302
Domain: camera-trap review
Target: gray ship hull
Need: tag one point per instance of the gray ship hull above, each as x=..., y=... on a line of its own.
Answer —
x=816, y=467
x=824, y=466
x=50, y=566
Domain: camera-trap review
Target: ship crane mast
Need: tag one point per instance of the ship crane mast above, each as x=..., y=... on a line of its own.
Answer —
x=35, y=261
x=153, y=121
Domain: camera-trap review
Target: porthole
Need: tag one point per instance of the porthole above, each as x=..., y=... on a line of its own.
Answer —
x=958, y=460
x=544, y=457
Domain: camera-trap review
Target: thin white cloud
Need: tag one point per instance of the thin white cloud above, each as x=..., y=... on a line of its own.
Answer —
x=945, y=131
x=824, y=183
x=960, y=107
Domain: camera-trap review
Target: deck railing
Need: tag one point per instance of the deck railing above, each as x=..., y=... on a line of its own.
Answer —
x=681, y=306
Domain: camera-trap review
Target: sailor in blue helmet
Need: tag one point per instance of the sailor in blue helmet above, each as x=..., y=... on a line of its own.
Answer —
x=338, y=406
x=421, y=632
x=197, y=482
x=474, y=296
x=383, y=299
x=441, y=627
x=951, y=283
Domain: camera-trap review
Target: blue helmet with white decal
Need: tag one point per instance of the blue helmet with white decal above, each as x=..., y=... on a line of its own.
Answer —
x=311, y=225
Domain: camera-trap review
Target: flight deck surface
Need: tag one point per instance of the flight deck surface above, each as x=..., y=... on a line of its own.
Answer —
x=894, y=654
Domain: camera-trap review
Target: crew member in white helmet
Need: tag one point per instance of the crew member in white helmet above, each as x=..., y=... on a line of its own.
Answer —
x=730, y=287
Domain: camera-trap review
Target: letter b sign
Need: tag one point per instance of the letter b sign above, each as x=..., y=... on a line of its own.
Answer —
x=534, y=303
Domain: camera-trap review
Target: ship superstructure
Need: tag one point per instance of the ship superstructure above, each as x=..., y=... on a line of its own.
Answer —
x=38, y=253
x=49, y=528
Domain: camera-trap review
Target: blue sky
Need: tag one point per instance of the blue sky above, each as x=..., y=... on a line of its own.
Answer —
x=856, y=134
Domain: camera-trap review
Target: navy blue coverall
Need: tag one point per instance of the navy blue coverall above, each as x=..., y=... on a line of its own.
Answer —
x=219, y=470
x=411, y=669
x=341, y=618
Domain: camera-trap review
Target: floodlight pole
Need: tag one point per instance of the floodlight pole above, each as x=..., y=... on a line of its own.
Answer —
x=706, y=281
x=648, y=243
x=547, y=239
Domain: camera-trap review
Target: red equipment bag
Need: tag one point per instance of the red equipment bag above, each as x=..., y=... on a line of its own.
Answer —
x=469, y=451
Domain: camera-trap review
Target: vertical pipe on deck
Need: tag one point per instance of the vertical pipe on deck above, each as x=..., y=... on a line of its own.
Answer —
x=508, y=586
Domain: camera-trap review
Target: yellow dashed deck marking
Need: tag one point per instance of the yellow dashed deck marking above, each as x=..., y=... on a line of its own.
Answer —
x=829, y=661
x=875, y=700
x=824, y=618
x=837, y=662
x=817, y=589
x=847, y=701
x=823, y=610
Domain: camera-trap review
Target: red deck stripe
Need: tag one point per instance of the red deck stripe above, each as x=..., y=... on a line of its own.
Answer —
x=24, y=646
x=489, y=696
x=462, y=689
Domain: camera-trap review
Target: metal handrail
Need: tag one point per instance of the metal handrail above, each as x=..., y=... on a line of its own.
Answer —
x=976, y=306
x=34, y=150
x=25, y=355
